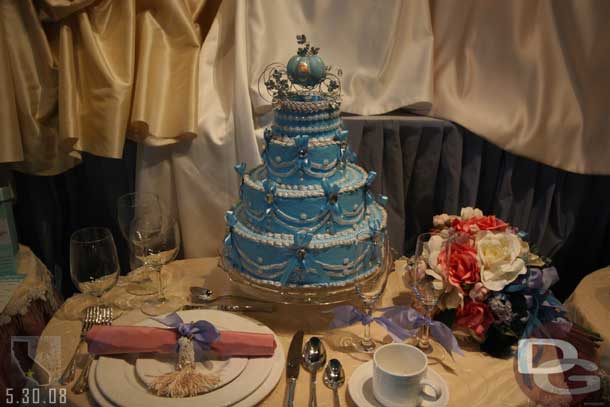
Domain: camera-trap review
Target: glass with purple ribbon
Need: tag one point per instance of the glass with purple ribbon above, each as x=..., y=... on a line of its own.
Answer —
x=373, y=254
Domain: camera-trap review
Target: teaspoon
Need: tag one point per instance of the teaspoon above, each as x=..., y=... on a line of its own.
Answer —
x=334, y=377
x=314, y=358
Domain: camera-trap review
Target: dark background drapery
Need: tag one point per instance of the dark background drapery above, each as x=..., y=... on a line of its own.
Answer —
x=426, y=166
x=50, y=208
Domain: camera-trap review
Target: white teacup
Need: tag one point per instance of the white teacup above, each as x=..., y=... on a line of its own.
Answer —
x=398, y=375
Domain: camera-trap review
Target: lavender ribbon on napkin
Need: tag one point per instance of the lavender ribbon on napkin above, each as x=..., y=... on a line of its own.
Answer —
x=203, y=333
x=401, y=323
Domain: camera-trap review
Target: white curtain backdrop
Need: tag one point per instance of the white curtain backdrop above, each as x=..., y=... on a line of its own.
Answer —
x=383, y=72
x=528, y=75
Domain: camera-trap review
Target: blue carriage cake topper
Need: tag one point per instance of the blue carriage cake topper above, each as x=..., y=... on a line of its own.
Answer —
x=304, y=75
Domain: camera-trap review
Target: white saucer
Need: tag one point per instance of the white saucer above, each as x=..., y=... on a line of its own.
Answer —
x=360, y=388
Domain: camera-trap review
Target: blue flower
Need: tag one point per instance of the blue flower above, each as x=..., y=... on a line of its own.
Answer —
x=501, y=307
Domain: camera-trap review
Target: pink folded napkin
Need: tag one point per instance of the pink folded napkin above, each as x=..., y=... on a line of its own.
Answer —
x=112, y=340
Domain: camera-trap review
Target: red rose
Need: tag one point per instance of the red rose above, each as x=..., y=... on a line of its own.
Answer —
x=479, y=223
x=475, y=316
x=461, y=226
x=462, y=267
x=488, y=223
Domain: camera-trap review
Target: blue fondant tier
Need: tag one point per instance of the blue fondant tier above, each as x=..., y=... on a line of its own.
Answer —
x=313, y=116
x=305, y=259
x=301, y=159
x=333, y=205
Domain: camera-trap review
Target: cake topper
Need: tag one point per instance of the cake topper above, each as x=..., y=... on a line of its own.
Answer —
x=304, y=76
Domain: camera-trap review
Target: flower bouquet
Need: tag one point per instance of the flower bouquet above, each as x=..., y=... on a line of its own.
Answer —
x=495, y=287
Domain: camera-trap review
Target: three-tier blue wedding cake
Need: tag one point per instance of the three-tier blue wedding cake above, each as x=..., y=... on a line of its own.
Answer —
x=307, y=216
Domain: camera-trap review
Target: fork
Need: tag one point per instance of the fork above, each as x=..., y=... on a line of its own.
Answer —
x=68, y=374
x=103, y=316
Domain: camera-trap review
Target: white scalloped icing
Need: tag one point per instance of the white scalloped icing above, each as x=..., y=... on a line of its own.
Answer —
x=309, y=118
x=307, y=106
x=341, y=283
x=313, y=142
x=349, y=183
x=319, y=241
x=307, y=129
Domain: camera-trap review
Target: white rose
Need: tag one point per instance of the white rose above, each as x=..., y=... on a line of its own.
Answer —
x=469, y=212
x=440, y=220
x=499, y=260
x=433, y=248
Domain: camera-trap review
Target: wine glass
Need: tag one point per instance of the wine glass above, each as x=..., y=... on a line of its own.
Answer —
x=94, y=263
x=373, y=252
x=155, y=239
x=128, y=207
x=426, y=278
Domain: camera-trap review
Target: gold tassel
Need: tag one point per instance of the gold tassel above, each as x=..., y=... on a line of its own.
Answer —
x=185, y=381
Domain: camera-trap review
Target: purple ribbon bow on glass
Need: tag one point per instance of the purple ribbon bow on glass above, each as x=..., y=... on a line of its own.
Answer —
x=401, y=323
x=203, y=333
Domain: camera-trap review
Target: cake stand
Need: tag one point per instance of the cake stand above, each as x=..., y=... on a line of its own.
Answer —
x=315, y=295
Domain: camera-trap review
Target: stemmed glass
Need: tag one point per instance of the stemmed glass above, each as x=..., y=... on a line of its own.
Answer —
x=155, y=239
x=373, y=252
x=426, y=278
x=94, y=263
x=129, y=206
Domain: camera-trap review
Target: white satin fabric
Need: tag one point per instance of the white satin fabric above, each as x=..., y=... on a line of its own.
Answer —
x=526, y=75
x=382, y=72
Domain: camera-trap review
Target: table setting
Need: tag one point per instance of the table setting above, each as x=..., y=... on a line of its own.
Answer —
x=184, y=333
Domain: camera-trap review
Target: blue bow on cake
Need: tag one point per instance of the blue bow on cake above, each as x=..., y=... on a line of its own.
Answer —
x=301, y=259
x=264, y=154
x=229, y=244
x=331, y=205
x=345, y=153
x=303, y=163
x=270, y=188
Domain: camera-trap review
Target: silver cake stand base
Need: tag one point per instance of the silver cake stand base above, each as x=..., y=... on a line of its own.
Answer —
x=292, y=294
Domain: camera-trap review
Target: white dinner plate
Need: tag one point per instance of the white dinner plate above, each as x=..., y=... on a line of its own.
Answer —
x=360, y=388
x=253, y=399
x=116, y=379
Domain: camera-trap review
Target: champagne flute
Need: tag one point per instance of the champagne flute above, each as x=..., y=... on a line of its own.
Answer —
x=156, y=242
x=128, y=207
x=94, y=263
x=373, y=252
x=427, y=280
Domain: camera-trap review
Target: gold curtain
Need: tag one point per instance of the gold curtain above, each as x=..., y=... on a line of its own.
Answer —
x=81, y=75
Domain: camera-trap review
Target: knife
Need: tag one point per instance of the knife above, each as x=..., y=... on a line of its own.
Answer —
x=233, y=308
x=293, y=364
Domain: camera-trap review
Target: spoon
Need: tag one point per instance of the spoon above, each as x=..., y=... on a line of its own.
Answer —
x=334, y=377
x=206, y=295
x=314, y=358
